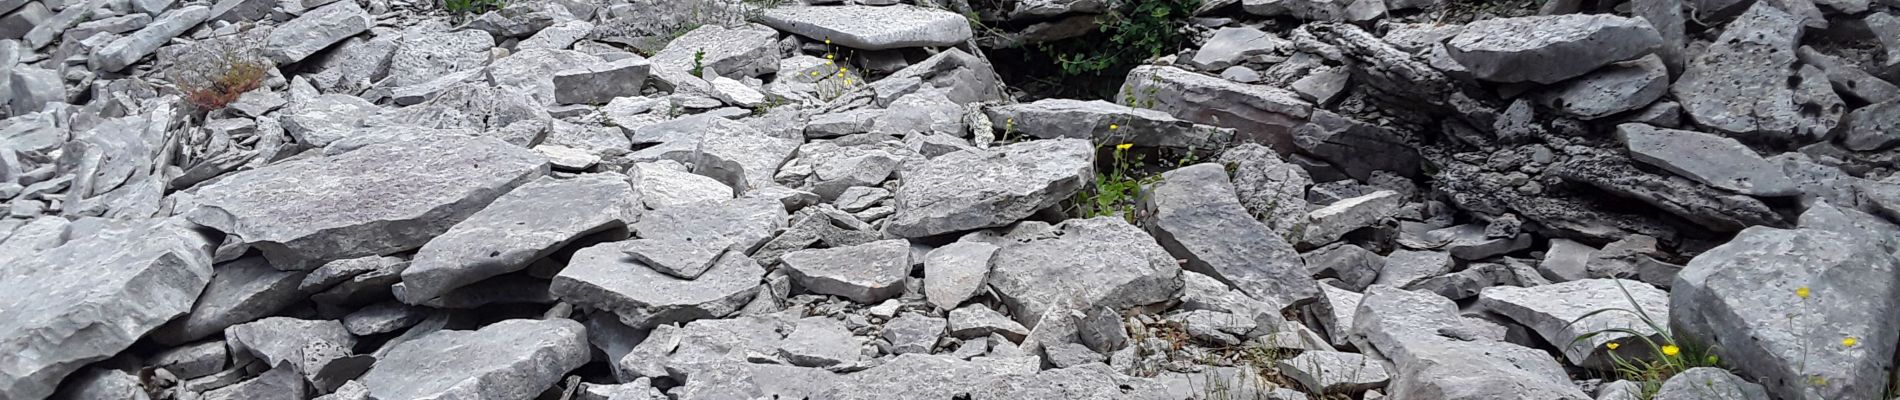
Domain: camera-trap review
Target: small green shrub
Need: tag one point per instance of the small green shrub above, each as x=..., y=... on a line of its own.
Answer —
x=699, y=63
x=1139, y=30
x=1666, y=358
x=465, y=7
x=1115, y=191
x=217, y=75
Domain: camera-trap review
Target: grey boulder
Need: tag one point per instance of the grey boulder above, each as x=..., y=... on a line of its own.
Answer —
x=1708, y=383
x=1100, y=261
x=868, y=273
x=1232, y=45
x=243, y=290
x=123, y=52
x=1258, y=113
x=981, y=189
x=1438, y=354
x=603, y=277
x=1873, y=127
x=1747, y=83
x=1713, y=160
x=1551, y=48
x=1105, y=122
x=1335, y=372
x=381, y=199
x=1328, y=224
x=956, y=272
x=92, y=296
x=1740, y=296
x=1553, y=311
x=314, y=31
x=1613, y=89
x=1196, y=217
x=514, y=359
x=516, y=229
x=601, y=82
x=872, y=28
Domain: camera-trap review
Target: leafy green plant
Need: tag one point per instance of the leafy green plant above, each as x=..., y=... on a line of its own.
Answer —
x=464, y=7
x=1114, y=192
x=699, y=63
x=1666, y=358
x=1139, y=30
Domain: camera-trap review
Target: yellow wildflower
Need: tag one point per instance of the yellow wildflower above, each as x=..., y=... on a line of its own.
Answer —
x=1113, y=127
x=829, y=56
x=1849, y=341
x=1124, y=146
x=1801, y=292
x=847, y=82
x=827, y=41
x=1671, y=350
x=1613, y=345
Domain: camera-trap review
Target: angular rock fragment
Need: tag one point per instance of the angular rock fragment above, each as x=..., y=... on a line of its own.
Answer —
x=1439, y=354
x=1747, y=84
x=1335, y=372
x=599, y=83
x=1738, y=296
x=868, y=273
x=982, y=189
x=243, y=290
x=1258, y=113
x=1065, y=118
x=913, y=333
x=1101, y=261
x=1873, y=127
x=872, y=28
x=1713, y=160
x=1272, y=190
x=603, y=277
x=731, y=152
x=1554, y=312
x=1549, y=49
x=819, y=342
x=956, y=272
x=1328, y=224
x=426, y=54
x=511, y=359
x=519, y=228
x=1232, y=45
x=976, y=321
x=1610, y=90
x=278, y=383
x=1357, y=148
x=1708, y=383
x=1196, y=217
x=92, y=296
x=382, y=199
x=125, y=51
x=315, y=30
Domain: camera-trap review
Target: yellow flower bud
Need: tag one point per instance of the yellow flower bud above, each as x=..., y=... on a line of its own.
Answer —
x=1671, y=350
x=1801, y=292
x=1124, y=146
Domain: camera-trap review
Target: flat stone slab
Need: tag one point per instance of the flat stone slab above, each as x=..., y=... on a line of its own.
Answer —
x=1335, y=372
x=316, y=30
x=1742, y=294
x=1553, y=311
x=514, y=359
x=243, y=290
x=1104, y=122
x=956, y=272
x=1713, y=160
x=1747, y=82
x=92, y=296
x=517, y=229
x=381, y=199
x=982, y=189
x=1550, y=48
x=872, y=28
x=868, y=273
x=1100, y=261
x=1197, y=217
x=604, y=277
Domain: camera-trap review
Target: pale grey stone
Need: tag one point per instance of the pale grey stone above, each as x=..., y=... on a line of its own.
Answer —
x=1105, y=122
x=983, y=189
x=426, y=54
x=820, y=342
x=1438, y=354
x=281, y=340
x=956, y=272
x=666, y=183
x=511, y=359
x=1328, y=224
x=1404, y=268
x=913, y=333
x=1739, y=296
x=381, y=199
x=278, y=383
x=125, y=51
x=519, y=228
x=1556, y=312
x=734, y=153
x=192, y=361
x=603, y=277
x=1335, y=372
x=1747, y=83
x=601, y=82
x=977, y=320
x=1610, y=90
x=1354, y=266
x=325, y=119
x=1548, y=49
x=381, y=318
x=1709, y=383
x=1196, y=217
x=872, y=28
x=1101, y=261
x=1232, y=45
x=1258, y=113
x=92, y=295
x=1873, y=127
x=241, y=291
x=314, y=31
x=534, y=70
x=102, y=383
x=867, y=273
x=1713, y=160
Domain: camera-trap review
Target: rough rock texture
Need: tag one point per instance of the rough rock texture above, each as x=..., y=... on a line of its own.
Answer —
x=92, y=296
x=242, y=290
x=1549, y=49
x=956, y=272
x=513, y=358
x=1441, y=355
x=1553, y=311
x=382, y=199
x=603, y=277
x=517, y=229
x=1613, y=89
x=1335, y=372
x=314, y=31
x=872, y=28
x=1740, y=296
x=868, y=273
x=1329, y=223
x=1713, y=160
x=1746, y=83
x=982, y=189
x=1196, y=217
x=1707, y=383
x=1064, y=118
x=1359, y=149
x=1257, y=113
x=1101, y=261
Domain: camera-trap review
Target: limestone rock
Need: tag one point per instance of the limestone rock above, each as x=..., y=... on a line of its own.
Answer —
x=243, y=290
x=382, y=199
x=1232, y=45
x=1332, y=222
x=1196, y=217
x=1553, y=311
x=1707, y=383
x=603, y=277
x=512, y=359
x=601, y=82
x=1064, y=118
x=125, y=51
x=1335, y=372
x=956, y=272
x=872, y=28
x=1258, y=113
x=1549, y=49
x=1713, y=160
x=315, y=30
x=981, y=189
x=1101, y=261
x=1613, y=89
x=1747, y=84
x=868, y=273
x=1439, y=354
x=518, y=228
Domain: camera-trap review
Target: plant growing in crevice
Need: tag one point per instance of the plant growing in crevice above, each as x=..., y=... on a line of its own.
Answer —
x=1667, y=357
x=1115, y=191
x=1135, y=32
x=699, y=63
x=462, y=8
x=219, y=73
